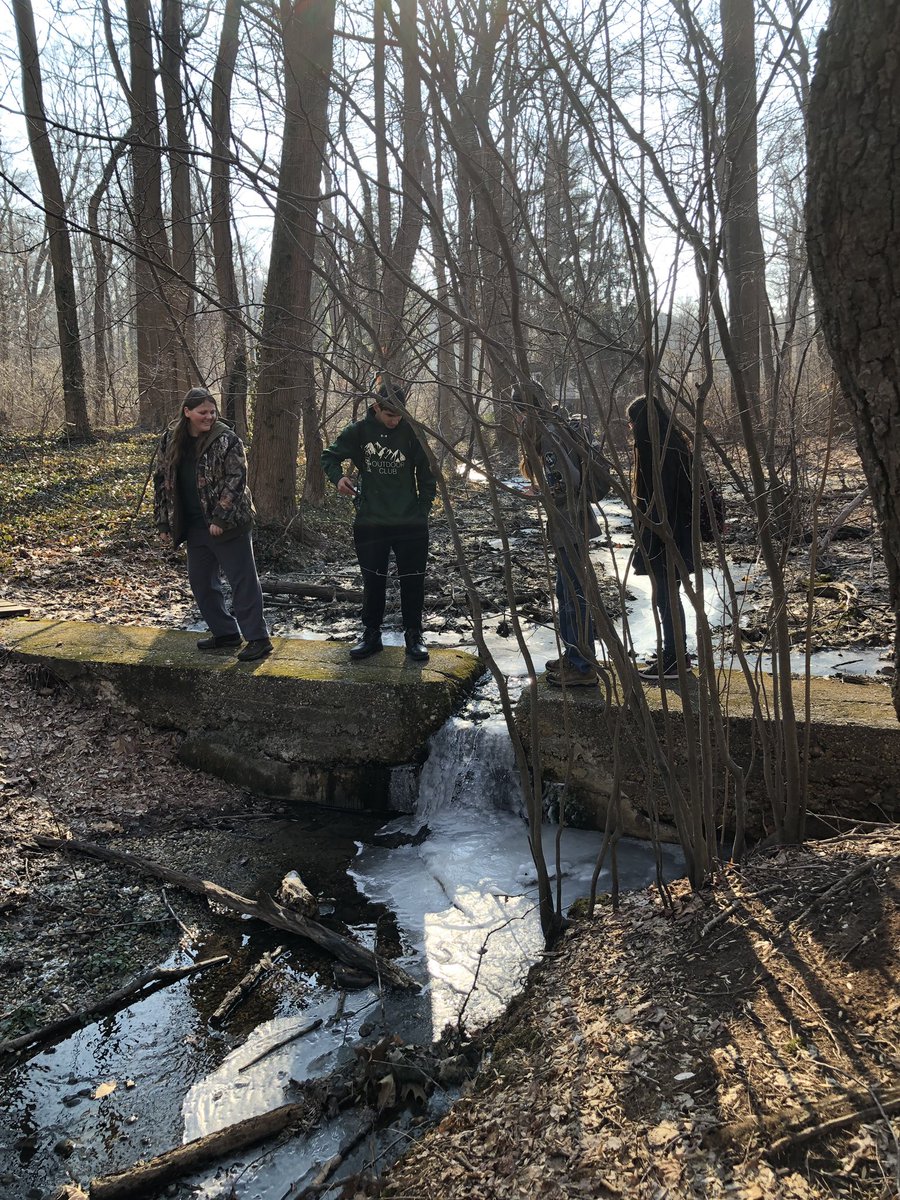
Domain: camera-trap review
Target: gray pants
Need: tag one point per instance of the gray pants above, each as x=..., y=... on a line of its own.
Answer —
x=207, y=556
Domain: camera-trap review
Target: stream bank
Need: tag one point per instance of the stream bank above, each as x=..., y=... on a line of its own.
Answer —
x=737, y=1044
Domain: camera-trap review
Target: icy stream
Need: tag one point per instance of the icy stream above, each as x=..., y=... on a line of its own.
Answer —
x=469, y=887
x=612, y=554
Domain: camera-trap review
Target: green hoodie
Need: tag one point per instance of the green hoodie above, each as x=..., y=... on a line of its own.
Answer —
x=395, y=484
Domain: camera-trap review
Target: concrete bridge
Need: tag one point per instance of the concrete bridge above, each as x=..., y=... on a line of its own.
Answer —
x=304, y=724
x=853, y=765
x=308, y=725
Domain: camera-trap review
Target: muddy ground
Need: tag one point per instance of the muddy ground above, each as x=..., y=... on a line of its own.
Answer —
x=737, y=1043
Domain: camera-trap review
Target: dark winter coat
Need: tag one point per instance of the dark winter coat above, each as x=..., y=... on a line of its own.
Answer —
x=571, y=520
x=668, y=465
x=395, y=485
x=221, y=484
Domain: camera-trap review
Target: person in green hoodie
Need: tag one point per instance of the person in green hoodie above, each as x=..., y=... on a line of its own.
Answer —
x=393, y=491
x=201, y=498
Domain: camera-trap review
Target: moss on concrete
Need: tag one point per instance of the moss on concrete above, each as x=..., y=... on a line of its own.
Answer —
x=305, y=704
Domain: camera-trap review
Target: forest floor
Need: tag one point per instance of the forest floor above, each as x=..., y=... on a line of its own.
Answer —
x=737, y=1043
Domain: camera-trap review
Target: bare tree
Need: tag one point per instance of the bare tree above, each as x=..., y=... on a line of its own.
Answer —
x=234, y=384
x=153, y=314
x=853, y=242
x=181, y=220
x=286, y=387
x=77, y=423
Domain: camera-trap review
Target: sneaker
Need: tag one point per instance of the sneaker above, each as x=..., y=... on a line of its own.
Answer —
x=654, y=672
x=369, y=643
x=570, y=676
x=217, y=643
x=256, y=649
x=415, y=646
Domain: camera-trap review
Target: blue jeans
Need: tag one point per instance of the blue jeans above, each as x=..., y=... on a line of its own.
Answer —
x=576, y=625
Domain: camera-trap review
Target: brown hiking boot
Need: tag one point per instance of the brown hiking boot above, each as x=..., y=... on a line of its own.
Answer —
x=568, y=675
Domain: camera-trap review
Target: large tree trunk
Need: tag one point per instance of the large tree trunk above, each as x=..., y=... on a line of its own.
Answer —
x=182, y=216
x=157, y=395
x=398, y=264
x=854, y=241
x=77, y=423
x=102, y=255
x=287, y=384
x=234, y=384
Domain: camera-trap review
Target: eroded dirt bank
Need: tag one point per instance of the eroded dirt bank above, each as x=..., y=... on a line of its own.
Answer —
x=736, y=1044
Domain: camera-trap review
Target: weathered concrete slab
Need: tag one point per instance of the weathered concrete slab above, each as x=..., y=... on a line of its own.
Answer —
x=854, y=763
x=305, y=723
x=8, y=610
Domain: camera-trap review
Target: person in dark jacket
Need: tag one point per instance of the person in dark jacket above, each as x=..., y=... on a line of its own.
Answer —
x=663, y=494
x=201, y=498
x=393, y=491
x=549, y=461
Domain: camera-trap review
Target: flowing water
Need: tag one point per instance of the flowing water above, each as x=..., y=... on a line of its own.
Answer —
x=463, y=904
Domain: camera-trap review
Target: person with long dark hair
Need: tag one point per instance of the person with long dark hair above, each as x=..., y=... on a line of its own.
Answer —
x=201, y=498
x=662, y=491
x=549, y=461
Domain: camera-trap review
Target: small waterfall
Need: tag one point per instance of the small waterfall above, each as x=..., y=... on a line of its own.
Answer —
x=471, y=765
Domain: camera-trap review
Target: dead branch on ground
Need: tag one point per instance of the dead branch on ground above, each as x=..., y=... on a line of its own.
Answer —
x=265, y=909
x=144, y=985
x=242, y=989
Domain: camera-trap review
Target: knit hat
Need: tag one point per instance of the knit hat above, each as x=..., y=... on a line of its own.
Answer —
x=392, y=397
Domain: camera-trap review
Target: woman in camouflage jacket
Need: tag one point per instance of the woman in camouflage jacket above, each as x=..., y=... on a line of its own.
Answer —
x=201, y=498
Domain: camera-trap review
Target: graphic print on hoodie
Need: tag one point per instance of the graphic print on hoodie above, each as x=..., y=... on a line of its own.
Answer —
x=381, y=460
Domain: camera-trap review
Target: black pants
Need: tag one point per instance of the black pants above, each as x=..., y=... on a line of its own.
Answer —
x=671, y=637
x=374, y=544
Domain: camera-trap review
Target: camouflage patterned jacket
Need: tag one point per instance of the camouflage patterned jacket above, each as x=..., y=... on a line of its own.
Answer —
x=221, y=484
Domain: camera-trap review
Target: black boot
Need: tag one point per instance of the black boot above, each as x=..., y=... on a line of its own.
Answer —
x=369, y=643
x=415, y=646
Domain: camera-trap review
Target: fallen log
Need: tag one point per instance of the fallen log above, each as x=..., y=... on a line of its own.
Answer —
x=183, y=1159
x=313, y=591
x=144, y=985
x=317, y=1097
x=265, y=909
x=842, y=516
x=245, y=986
x=328, y=591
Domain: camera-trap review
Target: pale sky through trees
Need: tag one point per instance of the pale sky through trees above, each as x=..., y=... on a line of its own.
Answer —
x=80, y=91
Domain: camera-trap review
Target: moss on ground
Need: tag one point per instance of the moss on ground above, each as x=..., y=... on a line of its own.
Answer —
x=61, y=494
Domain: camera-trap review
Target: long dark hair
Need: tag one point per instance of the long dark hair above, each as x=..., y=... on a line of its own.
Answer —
x=670, y=437
x=530, y=399
x=175, y=447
